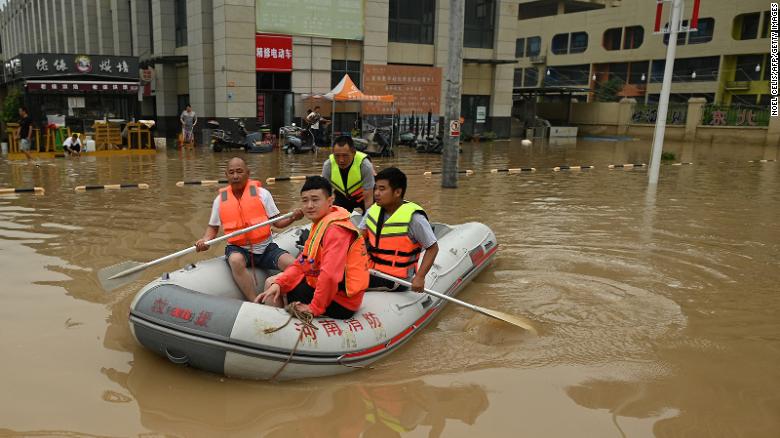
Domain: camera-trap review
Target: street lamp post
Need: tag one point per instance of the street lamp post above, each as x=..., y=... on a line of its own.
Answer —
x=663, y=102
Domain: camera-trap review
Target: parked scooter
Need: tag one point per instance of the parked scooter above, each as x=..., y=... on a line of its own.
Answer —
x=253, y=142
x=377, y=144
x=297, y=140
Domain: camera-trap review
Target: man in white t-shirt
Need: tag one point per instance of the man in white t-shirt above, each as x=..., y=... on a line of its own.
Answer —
x=242, y=204
x=72, y=145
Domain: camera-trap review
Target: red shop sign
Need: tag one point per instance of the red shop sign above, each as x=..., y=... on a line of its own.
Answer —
x=273, y=52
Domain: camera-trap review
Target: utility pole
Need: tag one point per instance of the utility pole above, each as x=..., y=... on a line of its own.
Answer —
x=663, y=102
x=452, y=105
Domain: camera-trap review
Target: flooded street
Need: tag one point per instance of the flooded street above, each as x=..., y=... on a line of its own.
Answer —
x=657, y=310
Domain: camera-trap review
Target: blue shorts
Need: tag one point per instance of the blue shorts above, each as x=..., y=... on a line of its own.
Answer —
x=269, y=259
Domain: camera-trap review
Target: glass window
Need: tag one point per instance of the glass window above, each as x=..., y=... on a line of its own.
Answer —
x=634, y=37
x=579, y=42
x=636, y=71
x=411, y=21
x=531, y=77
x=612, y=38
x=568, y=75
x=518, y=79
x=746, y=68
x=479, y=24
x=533, y=46
x=746, y=26
x=519, y=47
x=560, y=44
x=338, y=68
x=706, y=27
x=765, y=25
x=180, y=22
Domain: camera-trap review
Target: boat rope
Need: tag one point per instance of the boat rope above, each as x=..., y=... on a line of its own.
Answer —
x=306, y=319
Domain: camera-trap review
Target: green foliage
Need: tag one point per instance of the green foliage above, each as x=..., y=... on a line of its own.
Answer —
x=607, y=91
x=11, y=106
x=667, y=156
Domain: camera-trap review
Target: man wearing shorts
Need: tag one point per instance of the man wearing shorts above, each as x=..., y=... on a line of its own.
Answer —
x=241, y=204
x=25, y=133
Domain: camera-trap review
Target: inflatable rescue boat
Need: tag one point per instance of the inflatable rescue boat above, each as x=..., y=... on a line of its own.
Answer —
x=197, y=315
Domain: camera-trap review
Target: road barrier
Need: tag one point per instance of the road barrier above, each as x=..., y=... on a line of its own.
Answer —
x=203, y=182
x=285, y=178
x=36, y=190
x=112, y=187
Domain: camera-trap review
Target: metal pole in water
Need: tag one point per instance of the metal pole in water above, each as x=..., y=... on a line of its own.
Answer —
x=452, y=110
x=663, y=102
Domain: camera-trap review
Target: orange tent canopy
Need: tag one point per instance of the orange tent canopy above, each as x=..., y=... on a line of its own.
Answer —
x=346, y=91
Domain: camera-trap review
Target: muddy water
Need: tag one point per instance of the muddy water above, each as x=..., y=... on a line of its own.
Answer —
x=658, y=311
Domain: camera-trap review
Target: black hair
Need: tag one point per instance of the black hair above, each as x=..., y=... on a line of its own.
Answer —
x=394, y=177
x=317, y=107
x=317, y=183
x=342, y=140
x=24, y=108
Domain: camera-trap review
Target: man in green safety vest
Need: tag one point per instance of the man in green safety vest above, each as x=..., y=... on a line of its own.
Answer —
x=351, y=174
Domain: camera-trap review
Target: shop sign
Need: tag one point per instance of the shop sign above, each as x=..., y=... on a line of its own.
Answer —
x=273, y=52
x=60, y=64
x=416, y=89
x=81, y=87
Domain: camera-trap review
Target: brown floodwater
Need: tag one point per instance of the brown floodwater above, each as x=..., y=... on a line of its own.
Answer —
x=658, y=310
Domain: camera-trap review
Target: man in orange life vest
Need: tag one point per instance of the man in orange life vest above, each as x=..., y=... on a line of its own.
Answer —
x=331, y=274
x=240, y=205
x=397, y=231
x=351, y=174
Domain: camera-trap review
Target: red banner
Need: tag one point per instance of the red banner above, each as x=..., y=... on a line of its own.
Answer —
x=273, y=52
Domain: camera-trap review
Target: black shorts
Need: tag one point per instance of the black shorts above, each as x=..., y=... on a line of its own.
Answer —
x=304, y=293
x=347, y=204
x=269, y=259
x=73, y=148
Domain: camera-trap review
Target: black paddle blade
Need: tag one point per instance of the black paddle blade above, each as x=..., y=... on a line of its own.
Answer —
x=109, y=284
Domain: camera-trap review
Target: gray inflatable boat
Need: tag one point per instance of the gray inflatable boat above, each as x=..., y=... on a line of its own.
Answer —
x=197, y=315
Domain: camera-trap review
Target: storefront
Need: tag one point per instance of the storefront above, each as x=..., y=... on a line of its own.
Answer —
x=273, y=61
x=76, y=89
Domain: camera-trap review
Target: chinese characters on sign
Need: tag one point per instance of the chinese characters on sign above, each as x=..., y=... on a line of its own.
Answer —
x=416, y=89
x=81, y=87
x=273, y=53
x=60, y=64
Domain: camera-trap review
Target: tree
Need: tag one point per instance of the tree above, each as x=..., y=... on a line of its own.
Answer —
x=607, y=91
x=10, y=112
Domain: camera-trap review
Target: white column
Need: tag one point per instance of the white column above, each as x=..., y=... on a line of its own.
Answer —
x=66, y=25
x=39, y=15
x=46, y=8
x=140, y=12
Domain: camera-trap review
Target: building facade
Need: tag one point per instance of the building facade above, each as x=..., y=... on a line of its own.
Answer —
x=209, y=52
x=586, y=44
x=261, y=59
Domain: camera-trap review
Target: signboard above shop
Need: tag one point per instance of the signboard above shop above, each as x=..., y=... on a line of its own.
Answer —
x=60, y=65
x=273, y=52
x=340, y=19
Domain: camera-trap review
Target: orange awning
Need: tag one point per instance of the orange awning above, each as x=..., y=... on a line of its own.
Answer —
x=346, y=91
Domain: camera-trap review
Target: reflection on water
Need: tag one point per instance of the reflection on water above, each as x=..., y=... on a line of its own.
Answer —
x=657, y=309
x=218, y=407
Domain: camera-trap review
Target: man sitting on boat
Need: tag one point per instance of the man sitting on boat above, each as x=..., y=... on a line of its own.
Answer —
x=240, y=205
x=396, y=232
x=351, y=174
x=331, y=274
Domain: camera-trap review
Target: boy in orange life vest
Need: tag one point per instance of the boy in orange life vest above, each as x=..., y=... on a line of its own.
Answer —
x=331, y=274
x=240, y=205
x=397, y=231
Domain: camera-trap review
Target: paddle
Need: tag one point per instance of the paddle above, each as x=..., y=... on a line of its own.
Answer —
x=514, y=320
x=108, y=276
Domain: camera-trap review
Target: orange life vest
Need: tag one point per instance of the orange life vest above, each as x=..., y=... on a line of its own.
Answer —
x=355, y=280
x=391, y=250
x=236, y=214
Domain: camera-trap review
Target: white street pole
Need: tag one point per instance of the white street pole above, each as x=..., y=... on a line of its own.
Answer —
x=663, y=102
